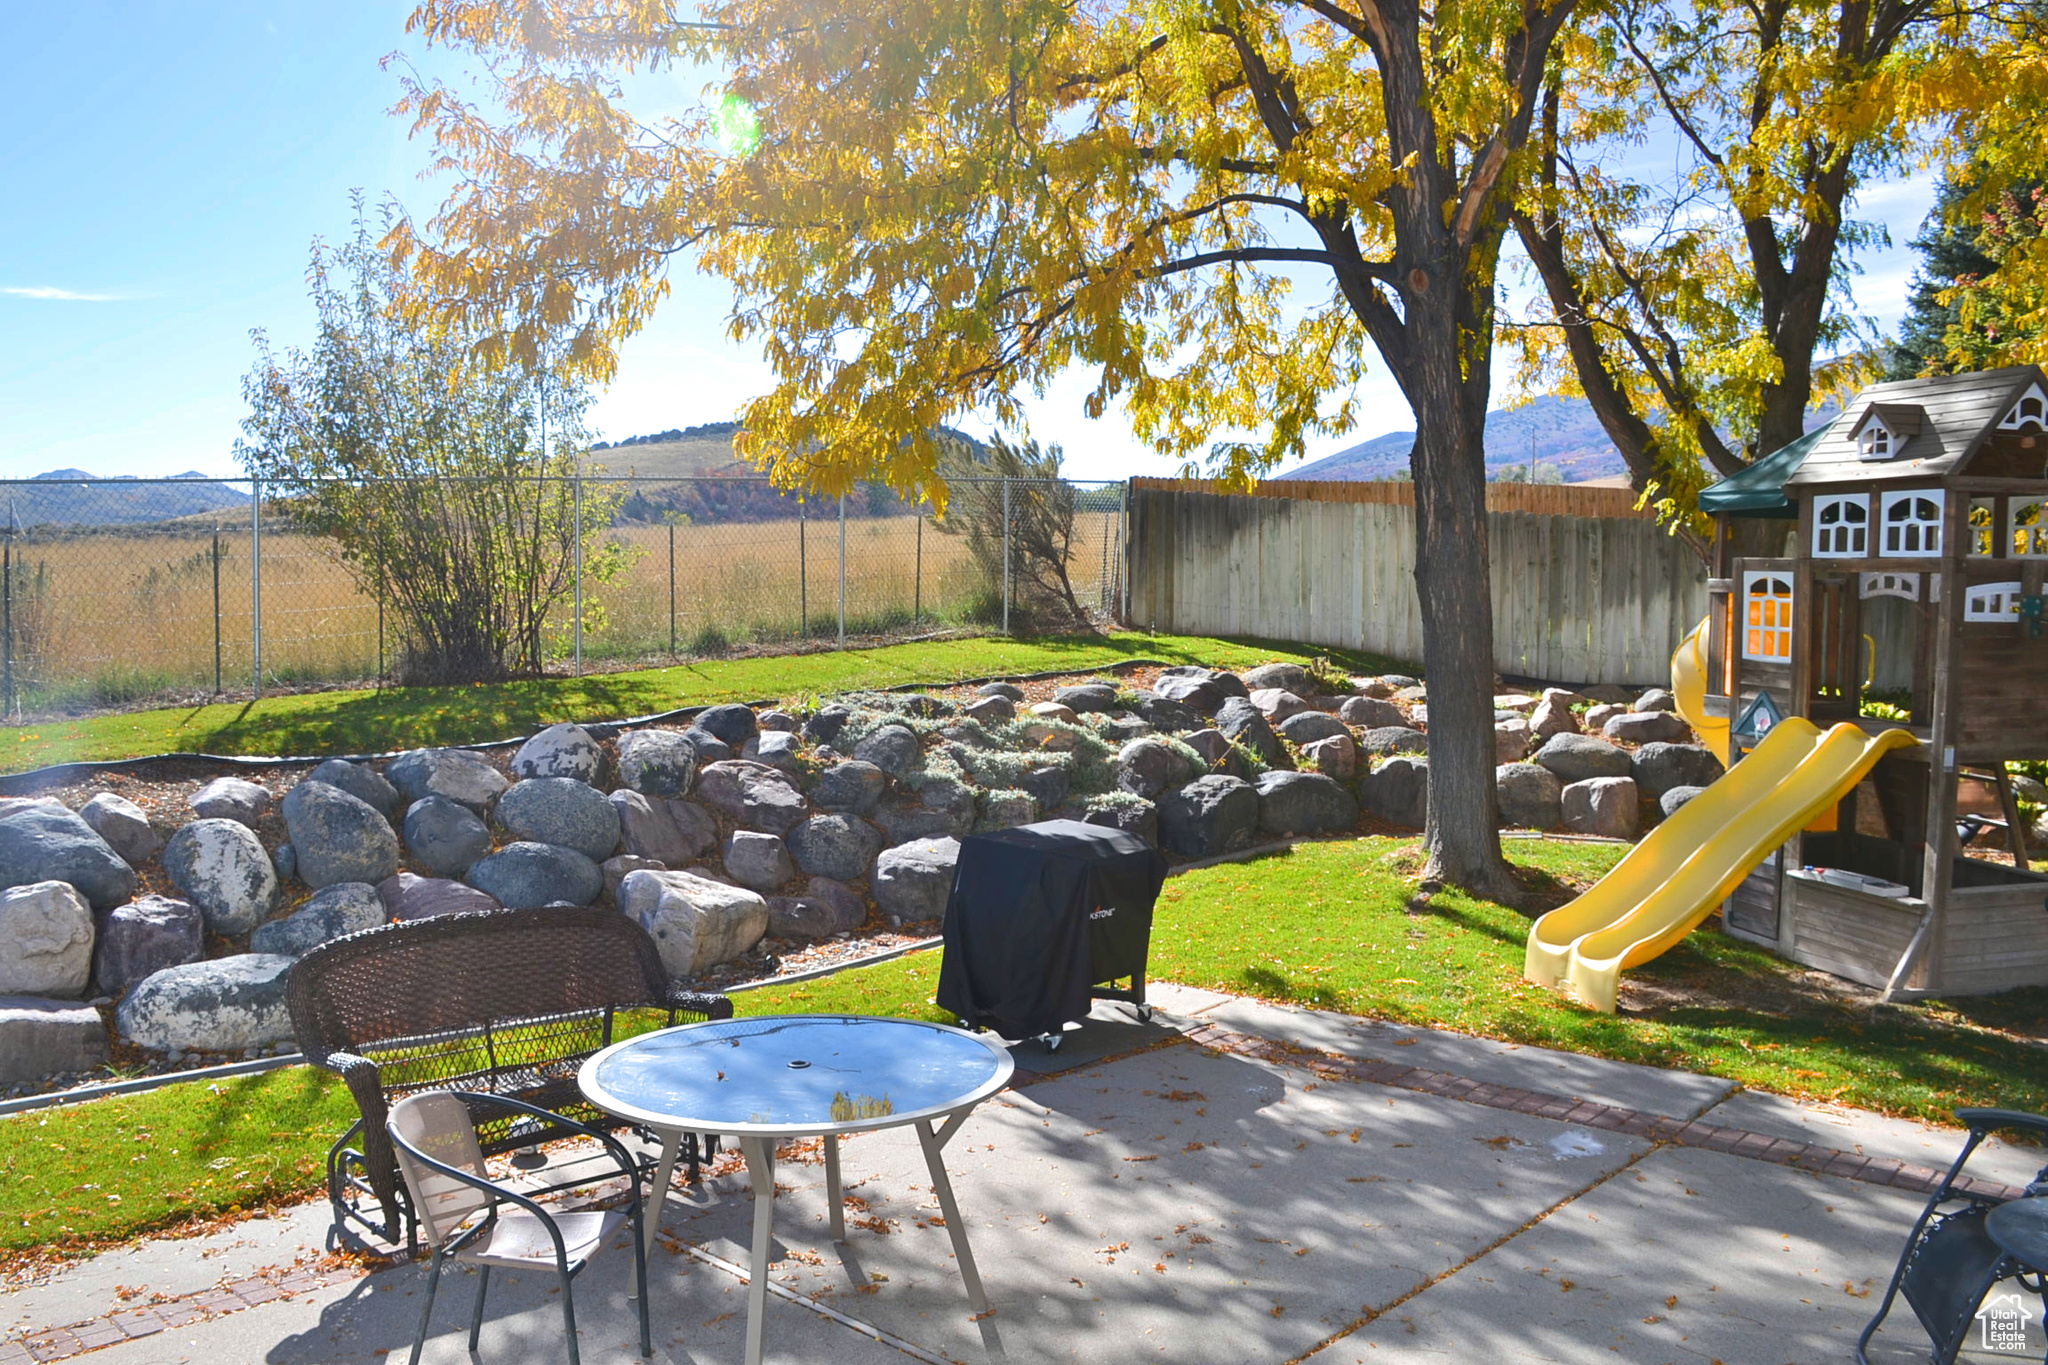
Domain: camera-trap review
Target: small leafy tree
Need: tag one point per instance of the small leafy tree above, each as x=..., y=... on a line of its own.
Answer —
x=1041, y=515
x=423, y=464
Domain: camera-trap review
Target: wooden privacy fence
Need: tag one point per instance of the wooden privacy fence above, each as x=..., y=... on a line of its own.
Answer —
x=1586, y=589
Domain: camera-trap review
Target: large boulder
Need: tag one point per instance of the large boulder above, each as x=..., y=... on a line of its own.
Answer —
x=1193, y=692
x=1049, y=787
x=1147, y=767
x=1647, y=727
x=1277, y=703
x=1552, y=718
x=1656, y=699
x=620, y=866
x=1006, y=809
x=41, y=1037
x=1676, y=799
x=1163, y=713
x=1285, y=677
x=526, y=876
x=1245, y=724
x=446, y=837
x=823, y=725
x=1210, y=815
x=1086, y=697
x=232, y=798
x=696, y=923
x=1053, y=710
x=408, y=896
x=732, y=722
x=1596, y=717
x=992, y=710
x=220, y=866
x=1371, y=713
x=1658, y=767
x=1336, y=756
x=1398, y=791
x=816, y=915
x=1310, y=726
x=362, y=782
x=1602, y=805
x=337, y=838
x=1510, y=740
x=1527, y=796
x=912, y=880
x=142, y=938
x=854, y=785
x=777, y=748
x=458, y=774
x=226, y=1005
x=1131, y=815
x=943, y=809
x=46, y=934
x=341, y=908
x=657, y=762
x=560, y=751
x=892, y=748
x=1303, y=803
x=1384, y=740
x=709, y=747
x=561, y=810
x=124, y=826
x=1008, y=691
x=839, y=847
x=1574, y=758
x=41, y=841
x=759, y=862
x=753, y=795
x=669, y=830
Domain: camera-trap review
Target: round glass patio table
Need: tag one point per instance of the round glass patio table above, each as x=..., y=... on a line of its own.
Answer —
x=803, y=1075
x=2020, y=1227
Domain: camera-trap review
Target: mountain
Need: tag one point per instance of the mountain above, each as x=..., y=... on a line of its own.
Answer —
x=72, y=497
x=1562, y=432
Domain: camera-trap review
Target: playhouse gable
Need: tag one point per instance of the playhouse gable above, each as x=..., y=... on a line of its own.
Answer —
x=1923, y=429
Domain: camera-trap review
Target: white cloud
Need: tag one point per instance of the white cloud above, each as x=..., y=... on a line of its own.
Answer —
x=50, y=291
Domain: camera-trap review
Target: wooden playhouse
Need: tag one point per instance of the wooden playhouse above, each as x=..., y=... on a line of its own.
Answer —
x=1916, y=542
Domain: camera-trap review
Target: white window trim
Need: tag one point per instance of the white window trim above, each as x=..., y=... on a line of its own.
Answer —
x=1995, y=602
x=1866, y=440
x=1858, y=528
x=1930, y=543
x=1749, y=593
x=2036, y=531
x=2038, y=419
x=1983, y=540
x=1906, y=585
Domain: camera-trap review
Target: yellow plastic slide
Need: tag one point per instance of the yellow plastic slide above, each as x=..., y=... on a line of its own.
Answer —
x=1689, y=690
x=1688, y=865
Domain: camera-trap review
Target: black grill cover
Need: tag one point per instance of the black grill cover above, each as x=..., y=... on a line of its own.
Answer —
x=1039, y=914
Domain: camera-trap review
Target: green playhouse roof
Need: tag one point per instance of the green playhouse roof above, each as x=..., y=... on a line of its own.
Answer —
x=1759, y=491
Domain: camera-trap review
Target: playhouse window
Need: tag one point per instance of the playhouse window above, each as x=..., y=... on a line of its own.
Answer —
x=1768, y=608
x=1982, y=534
x=1991, y=602
x=1874, y=442
x=1840, y=527
x=2029, y=526
x=1912, y=523
x=1906, y=585
x=2030, y=411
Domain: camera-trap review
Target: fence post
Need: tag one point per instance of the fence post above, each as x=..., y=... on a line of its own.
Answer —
x=803, y=573
x=7, y=612
x=577, y=486
x=1006, y=555
x=842, y=571
x=256, y=585
x=216, y=610
x=380, y=638
x=917, y=581
x=671, y=590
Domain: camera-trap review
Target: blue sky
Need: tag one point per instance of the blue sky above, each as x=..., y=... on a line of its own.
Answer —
x=168, y=165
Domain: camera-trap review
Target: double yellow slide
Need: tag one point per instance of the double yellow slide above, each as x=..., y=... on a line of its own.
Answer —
x=1689, y=864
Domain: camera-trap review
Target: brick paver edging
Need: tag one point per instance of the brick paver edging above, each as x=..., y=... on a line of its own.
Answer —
x=229, y=1296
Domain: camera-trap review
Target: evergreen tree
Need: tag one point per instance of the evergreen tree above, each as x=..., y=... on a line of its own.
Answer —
x=1949, y=253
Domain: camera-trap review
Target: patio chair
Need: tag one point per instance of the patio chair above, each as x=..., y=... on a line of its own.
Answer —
x=468, y=1217
x=1950, y=1262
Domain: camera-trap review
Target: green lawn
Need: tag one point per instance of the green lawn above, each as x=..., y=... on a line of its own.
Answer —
x=1327, y=925
x=321, y=723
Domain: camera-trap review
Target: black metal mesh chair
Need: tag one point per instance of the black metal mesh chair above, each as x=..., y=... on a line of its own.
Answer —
x=1950, y=1262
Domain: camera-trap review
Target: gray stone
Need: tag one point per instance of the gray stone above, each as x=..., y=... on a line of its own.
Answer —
x=696, y=923
x=1602, y=805
x=226, y=1005
x=1596, y=717
x=1398, y=791
x=1052, y=710
x=892, y=748
x=1246, y=726
x=1229, y=684
x=1123, y=729
x=1550, y=719
x=1527, y=796
x=1574, y=758
x=1510, y=740
x=1086, y=697
x=1397, y=682
x=1210, y=815
x=1196, y=693
x=1163, y=713
x=616, y=868
x=1310, y=726
x=1304, y=803
x=445, y=837
x=526, y=876
x=1371, y=713
x=220, y=866
x=1049, y=787
x=1377, y=688
x=337, y=838
x=853, y=785
x=1612, y=693
x=341, y=908
x=944, y=808
x=2028, y=788
x=144, y=937
x=752, y=795
x=669, y=830
x=560, y=751
x=1336, y=756
x=1393, y=739
x=732, y=722
x=1646, y=727
x=408, y=896
x=912, y=880
x=1414, y=695
x=1656, y=699
x=1675, y=798
x=1286, y=677
x=992, y=710
x=1007, y=810
x=285, y=859
x=710, y=748
x=923, y=705
x=759, y=862
x=1277, y=704
x=458, y=774
x=840, y=847
x=777, y=748
x=849, y=911
x=362, y=782
x=657, y=762
x=123, y=825
x=42, y=1037
x=561, y=810
x=1008, y=691
x=1131, y=816
x=41, y=841
x=779, y=721
x=1147, y=767
x=1658, y=767
x=814, y=914
x=46, y=936
x=232, y=798
x=1221, y=755
x=823, y=725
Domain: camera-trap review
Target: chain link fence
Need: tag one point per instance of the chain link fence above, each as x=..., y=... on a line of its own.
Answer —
x=117, y=592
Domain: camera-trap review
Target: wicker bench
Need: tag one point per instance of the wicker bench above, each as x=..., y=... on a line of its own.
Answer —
x=508, y=1002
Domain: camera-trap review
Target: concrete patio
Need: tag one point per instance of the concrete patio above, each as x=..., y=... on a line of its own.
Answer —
x=1251, y=1184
